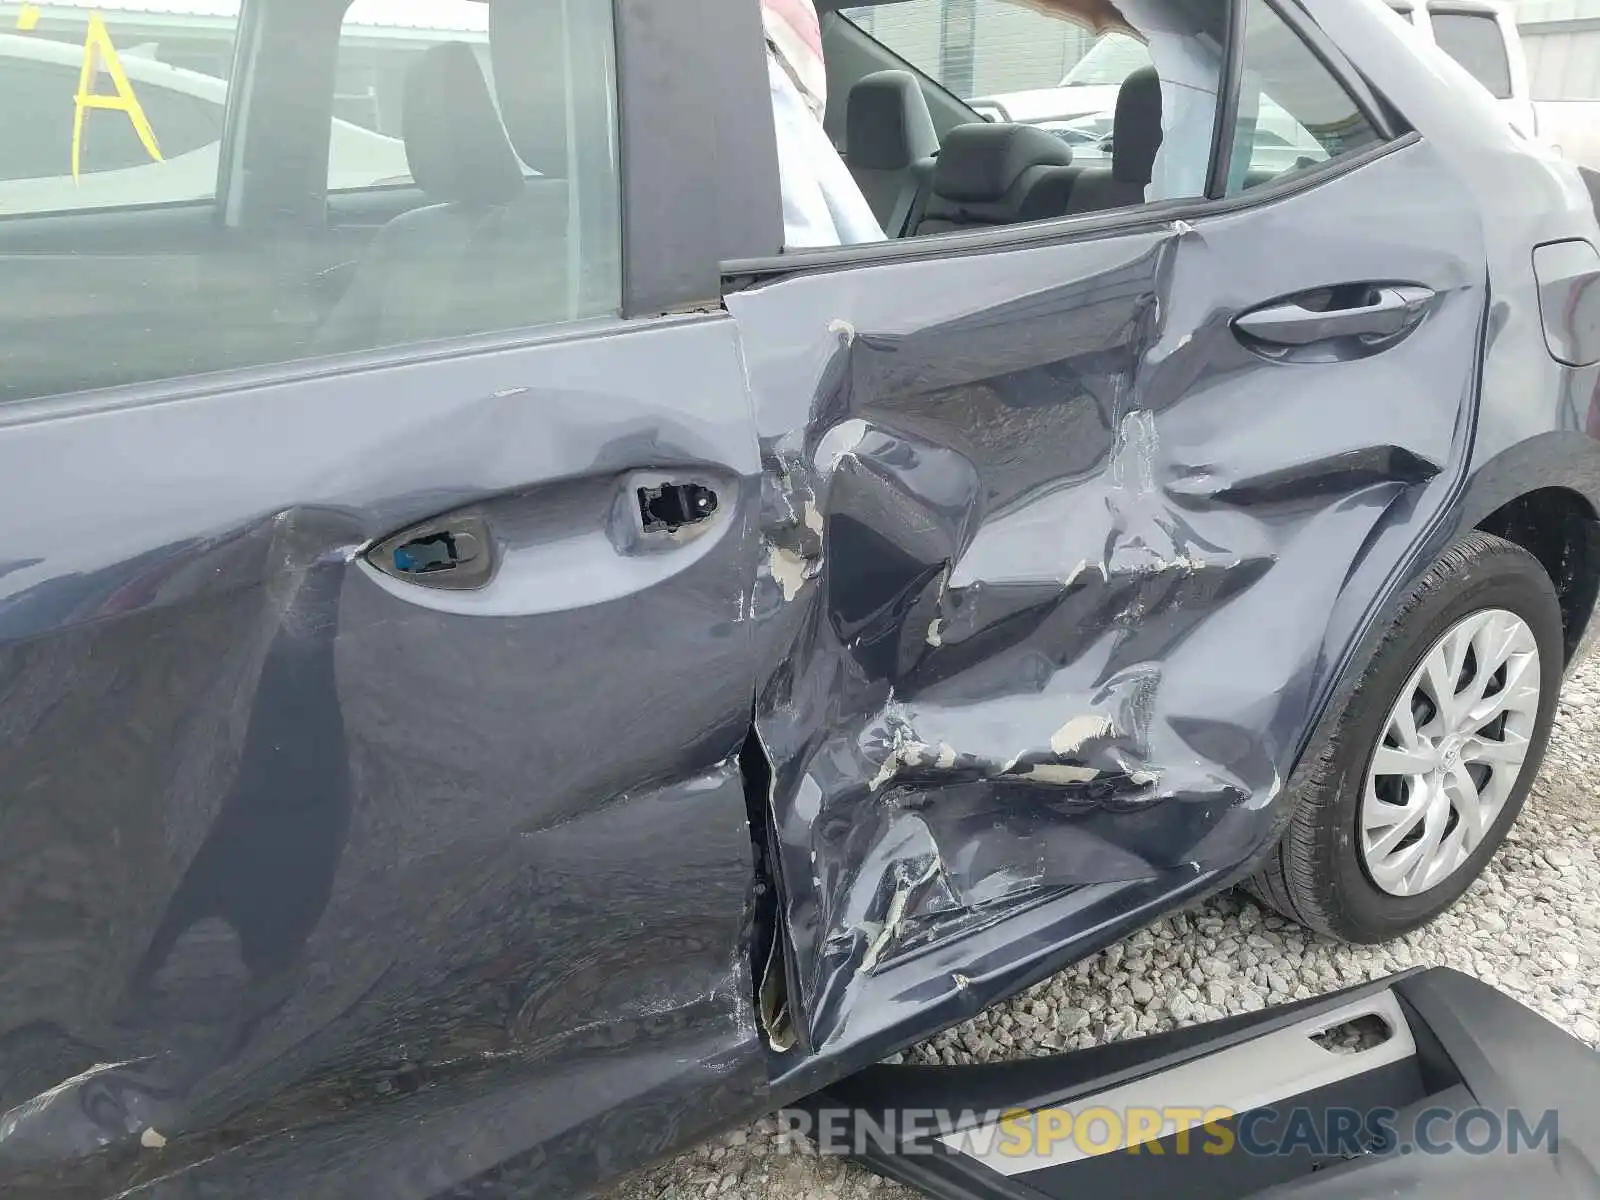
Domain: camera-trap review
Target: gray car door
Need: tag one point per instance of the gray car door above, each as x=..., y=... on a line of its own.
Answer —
x=1079, y=522
x=370, y=723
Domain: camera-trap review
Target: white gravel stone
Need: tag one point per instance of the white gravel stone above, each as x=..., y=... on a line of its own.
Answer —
x=1528, y=926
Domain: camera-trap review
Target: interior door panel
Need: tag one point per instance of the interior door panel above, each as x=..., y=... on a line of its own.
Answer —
x=1063, y=569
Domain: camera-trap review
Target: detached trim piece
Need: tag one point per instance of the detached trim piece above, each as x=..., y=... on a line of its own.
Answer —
x=1253, y=1074
x=1404, y=1115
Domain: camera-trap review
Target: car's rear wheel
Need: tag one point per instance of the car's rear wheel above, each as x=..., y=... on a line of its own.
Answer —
x=1424, y=765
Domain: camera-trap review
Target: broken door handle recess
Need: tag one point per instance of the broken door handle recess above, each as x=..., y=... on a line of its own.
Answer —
x=673, y=506
x=455, y=554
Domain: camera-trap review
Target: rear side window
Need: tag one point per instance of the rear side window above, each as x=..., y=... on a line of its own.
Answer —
x=1028, y=64
x=1294, y=114
x=366, y=146
x=1474, y=40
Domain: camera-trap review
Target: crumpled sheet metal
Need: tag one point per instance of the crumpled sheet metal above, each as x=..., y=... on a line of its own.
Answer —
x=1047, y=590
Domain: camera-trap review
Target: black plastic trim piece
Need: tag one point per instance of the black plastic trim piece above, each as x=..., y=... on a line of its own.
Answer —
x=739, y=274
x=696, y=71
x=1225, y=132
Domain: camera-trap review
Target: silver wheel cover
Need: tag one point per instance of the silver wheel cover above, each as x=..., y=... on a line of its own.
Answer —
x=1451, y=752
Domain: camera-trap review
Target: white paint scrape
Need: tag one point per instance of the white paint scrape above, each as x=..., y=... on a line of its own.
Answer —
x=1069, y=739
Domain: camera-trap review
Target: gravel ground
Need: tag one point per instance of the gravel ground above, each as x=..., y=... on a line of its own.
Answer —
x=1531, y=926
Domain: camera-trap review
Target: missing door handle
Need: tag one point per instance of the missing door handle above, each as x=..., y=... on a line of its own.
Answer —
x=673, y=506
x=453, y=554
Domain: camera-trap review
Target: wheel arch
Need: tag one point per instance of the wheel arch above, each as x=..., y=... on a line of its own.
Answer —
x=1543, y=494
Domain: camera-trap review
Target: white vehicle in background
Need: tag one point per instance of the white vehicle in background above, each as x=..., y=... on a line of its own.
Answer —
x=1480, y=35
x=39, y=80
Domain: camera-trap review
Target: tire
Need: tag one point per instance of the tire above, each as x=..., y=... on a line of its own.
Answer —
x=1321, y=874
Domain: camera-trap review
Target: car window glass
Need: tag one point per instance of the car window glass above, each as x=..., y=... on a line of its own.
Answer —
x=512, y=220
x=140, y=134
x=1294, y=114
x=378, y=45
x=1040, y=64
x=1474, y=40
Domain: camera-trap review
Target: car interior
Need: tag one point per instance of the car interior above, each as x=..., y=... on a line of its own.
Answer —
x=928, y=163
x=510, y=218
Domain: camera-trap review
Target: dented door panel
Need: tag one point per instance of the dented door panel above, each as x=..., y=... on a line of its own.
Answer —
x=1059, y=571
x=287, y=842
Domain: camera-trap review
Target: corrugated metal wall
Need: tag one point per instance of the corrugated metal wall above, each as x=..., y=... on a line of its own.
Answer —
x=1013, y=48
x=1562, y=42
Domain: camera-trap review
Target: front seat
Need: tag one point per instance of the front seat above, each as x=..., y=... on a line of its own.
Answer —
x=889, y=144
x=412, y=278
x=1135, y=139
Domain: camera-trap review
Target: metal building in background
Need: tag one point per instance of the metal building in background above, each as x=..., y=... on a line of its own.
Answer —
x=1562, y=41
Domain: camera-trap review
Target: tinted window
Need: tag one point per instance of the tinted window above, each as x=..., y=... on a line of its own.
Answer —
x=1112, y=58
x=367, y=146
x=141, y=294
x=1294, y=113
x=41, y=146
x=1045, y=68
x=1474, y=41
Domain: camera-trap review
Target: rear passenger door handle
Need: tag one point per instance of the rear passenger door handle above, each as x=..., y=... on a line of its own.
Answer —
x=1367, y=312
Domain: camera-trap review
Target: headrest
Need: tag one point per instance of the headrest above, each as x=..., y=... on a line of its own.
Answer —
x=887, y=123
x=1136, y=131
x=455, y=144
x=979, y=163
x=527, y=41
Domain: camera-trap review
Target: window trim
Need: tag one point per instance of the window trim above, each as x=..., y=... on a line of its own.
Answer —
x=741, y=274
x=738, y=274
x=1366, y=98
x=1223, y=131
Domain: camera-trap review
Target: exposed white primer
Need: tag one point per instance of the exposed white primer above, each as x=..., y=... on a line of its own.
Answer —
x=961, y=981
x=1181, y=227
x=935, y=637
x=813, y=517
x=1055, y=773
x=1083, y=568
x=1069, y=739
x=1143, y=778
x=789, y=569
x=1133, y=463
x=903, y=752
x=841, y=440
x=842, y=327
x=895, y=917
x=152, y=1138
x=946, y=758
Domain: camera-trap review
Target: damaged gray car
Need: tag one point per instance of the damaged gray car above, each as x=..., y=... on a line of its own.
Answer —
x=507, y=672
